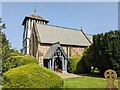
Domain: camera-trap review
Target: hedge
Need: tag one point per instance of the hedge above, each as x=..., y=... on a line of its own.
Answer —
x=76, y=65
x=16, y=61
x=31, y=76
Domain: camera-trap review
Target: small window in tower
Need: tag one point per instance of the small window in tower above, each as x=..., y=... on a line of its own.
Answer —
x=41, y=54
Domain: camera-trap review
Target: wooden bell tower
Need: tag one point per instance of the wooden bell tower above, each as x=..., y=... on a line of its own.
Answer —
x=28, y=26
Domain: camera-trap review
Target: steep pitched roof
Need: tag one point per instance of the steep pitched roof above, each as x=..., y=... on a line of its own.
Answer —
x=66, y=36
x=36, y=17
x=52, y=50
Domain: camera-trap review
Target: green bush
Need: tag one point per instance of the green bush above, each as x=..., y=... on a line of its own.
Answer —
x=82, y=67
x=72, y=63
x=16, y=61
x=88, y=56
x=14, y=52
x=26, y=60
x=76, y=65
x=31, y=76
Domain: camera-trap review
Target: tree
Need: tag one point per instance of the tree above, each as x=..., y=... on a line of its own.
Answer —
x=4, y=46
x=106, y=53
x=2, y=26
x=5, y=49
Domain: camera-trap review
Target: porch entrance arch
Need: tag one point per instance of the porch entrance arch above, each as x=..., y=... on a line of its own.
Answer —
x=55, y=58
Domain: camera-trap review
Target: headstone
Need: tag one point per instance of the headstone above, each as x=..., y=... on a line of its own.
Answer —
x=111, y=76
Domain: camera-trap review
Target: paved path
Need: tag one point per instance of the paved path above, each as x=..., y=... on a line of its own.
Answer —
x=67, y=75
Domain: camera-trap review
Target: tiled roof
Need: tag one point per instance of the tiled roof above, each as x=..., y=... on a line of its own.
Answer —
x=67, y=36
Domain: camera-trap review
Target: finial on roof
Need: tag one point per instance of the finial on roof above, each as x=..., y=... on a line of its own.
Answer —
x=81, y=28
x=35, y=9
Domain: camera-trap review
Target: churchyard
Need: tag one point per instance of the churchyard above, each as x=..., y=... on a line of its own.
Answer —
x=23, y=71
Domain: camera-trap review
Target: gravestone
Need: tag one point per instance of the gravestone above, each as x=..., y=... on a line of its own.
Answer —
x=111, y=76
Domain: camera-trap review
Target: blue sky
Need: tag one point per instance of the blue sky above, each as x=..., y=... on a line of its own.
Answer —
x=94, y=17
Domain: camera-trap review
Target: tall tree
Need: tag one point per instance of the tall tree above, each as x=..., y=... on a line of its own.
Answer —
x=2, y=26
x=4, y=46
x=104, y=53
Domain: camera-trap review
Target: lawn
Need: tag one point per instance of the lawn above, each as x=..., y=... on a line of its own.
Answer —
x=85, y=82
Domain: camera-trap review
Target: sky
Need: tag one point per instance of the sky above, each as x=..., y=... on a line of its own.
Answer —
x=119, y=15
x=93, y=17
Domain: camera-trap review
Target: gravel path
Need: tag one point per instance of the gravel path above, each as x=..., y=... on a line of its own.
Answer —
x=67, y=75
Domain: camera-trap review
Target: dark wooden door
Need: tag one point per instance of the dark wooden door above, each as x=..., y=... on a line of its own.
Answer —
x=57, y=64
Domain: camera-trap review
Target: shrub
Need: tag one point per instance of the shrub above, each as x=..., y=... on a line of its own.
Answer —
x=11, y=62
x=82, y=67
x=76, y=65
x=14, y=52
x=16, y=61
x=72, y=63
x=26, y=60
x=31, y=76
x=88, y=56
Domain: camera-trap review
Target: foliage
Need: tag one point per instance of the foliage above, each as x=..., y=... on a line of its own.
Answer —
x=88, y=56
x=107, y=51
x=2, y=25
x=31, y=76
x=14, y=52
x=76, y=65
x=7, y=54
x=4, y=43
x=82, y=67
x=72, y=63
x=15, y=61
x=104, y=53
x=5, y=50
x=26, y=60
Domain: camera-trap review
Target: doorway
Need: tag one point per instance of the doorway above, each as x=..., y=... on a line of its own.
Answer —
x=57, y=64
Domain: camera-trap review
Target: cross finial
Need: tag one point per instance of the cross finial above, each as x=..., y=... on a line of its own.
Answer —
x=34, y=8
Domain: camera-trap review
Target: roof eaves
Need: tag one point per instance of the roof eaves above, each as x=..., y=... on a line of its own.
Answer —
x=64, y=44
x=41, y=19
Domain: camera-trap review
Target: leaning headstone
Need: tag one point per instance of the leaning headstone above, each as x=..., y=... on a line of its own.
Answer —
x=111, y=76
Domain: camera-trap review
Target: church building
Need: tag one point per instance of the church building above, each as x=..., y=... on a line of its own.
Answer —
x=50, y=44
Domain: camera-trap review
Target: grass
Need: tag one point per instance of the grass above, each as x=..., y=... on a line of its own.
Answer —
x=85, y=82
